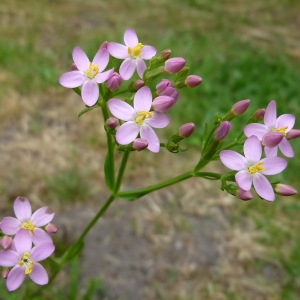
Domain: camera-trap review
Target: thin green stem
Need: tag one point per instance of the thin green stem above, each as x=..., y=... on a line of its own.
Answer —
x=121, y=171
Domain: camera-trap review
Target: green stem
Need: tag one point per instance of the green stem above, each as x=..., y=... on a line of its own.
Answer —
x=121, y=171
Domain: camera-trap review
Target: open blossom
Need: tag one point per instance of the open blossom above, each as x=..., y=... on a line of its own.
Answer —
x=133, y=52
x=273, y=133
x=88, y=75
x=252, y=169
x=138, y=119
x=24, y=260
x=26, y=220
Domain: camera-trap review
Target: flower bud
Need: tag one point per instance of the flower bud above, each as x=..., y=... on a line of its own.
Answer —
x=244, y=195
x=284, y=190
x=104, y=45
x=74, y=67
x=140, y=144
x=240, y=107
x=51, y=228
x=5, y=273
x=193, y=81
x=272, y=139
x=165, y=54
x=163, y=103
x=259, y=114
x=138, y=84
x=222, y=131
x=186, y=130
x=161, y=86
x=293, y=134
x=174, y=65
x=112, y=122
x=6, y=242
x=114, y=81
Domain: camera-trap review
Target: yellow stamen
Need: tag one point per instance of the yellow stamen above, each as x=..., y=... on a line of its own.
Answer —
x=281, y=130
x=29, y=264
x=142, y=115
x=29, y=226
x=136, y=51
x=92, y=71
x=256, y=168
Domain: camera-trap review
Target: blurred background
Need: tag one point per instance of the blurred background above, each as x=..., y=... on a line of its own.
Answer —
x=186, y=242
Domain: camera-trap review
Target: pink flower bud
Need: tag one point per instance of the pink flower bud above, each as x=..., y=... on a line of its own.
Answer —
x=272, y=139
x=114, y=81
x=112, y=123
x=240, y=107
x=104, y=45
x=186, y=130
x=5, y=273
x=222, y=131
x=284, y=190
x=171, y=92
x=244, y=195
x=293, y=134
x=259, y=114
x=193, y=81
x=51, y=228
x=138, y=84
x=6, y=242
x=163, y=103
x=174, y=65
x=161, y=86
x=74, y=67
x=165, y=54
x=140, y=144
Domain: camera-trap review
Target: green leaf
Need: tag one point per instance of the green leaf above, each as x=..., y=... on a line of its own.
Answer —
x=86, y=109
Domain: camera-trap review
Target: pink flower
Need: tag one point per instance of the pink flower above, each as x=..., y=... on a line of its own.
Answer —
x=174, y=65
x=133, y=53
x=88, y=75
x=26, y=220
x=252, y=169
x=272, y=128
x=138, y=119
x=24, y=260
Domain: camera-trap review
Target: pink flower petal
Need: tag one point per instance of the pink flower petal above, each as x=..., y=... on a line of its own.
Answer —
x=72, y=79
x=117, y=50
x=40, y=217
x=243, y=180
x=273, y=165
x=130, y=38
x=127, y=132
x=39, y=274
x=263, y=187
x=9, y=258
x=10, y=225
x=149, y=134
x=271, y=151
x=81, y=60
x=286, y=148
x=127, y=68
x=233, y=160
x=270, y=114
x=40, y=236
x=15, y=278
x=90, y=92
x=42, y=251
x=104, y=76
x=159, y=120
x=23, y=241
x=142, y=99
x=121, y=109
x=256, y=129
x=22, y=209
x=286, y=120
x=148, y=52
x=252, y=149
x=101, y=59
x=141, y=67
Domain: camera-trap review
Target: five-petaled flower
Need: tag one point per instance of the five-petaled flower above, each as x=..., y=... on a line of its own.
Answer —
x=24, y=260
x=88, y=75
x=252, y=169
x=26, y=220
x=138, y=119
x=273, y=132
x=133, y=52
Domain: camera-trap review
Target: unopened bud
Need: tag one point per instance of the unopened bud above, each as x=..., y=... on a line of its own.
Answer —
x=165, y=54
x=186, y=130
x=112, y=122
x=162, y=85
x=140, y=144
x=293, y=134
x=222, y=131
x=193, y=81
x=163, y=103
x=138, y=84
x=104, y=45
x=114, y=81
x=6, y=242
x=51, y=228
x=240, y=107
x=259, y=114
x=74, y=67
x=174, y=65
x=5, y=273
x=284, y=190
x=244, y=195
x=272, y=139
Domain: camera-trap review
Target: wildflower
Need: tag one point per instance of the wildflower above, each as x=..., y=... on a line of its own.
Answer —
x=282, y=125
x=133, y=53
x=174, y=65
x=114, y=81
x=186, y=130
x=6, y=242
x=252, y=169
x=240, y=107
x=140, y=144
x=244, y=195
x=166, y=88
x=26, y=220
x=222, y=131
x=51, y=228
x=24, y=260
x=163, y=103
x=138, y=119
x=89, y=74
x=284, y=189
x=193, y=81
x=112, y=123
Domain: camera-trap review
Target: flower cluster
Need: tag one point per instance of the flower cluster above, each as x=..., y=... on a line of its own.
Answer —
x=25, y=243
x=134, y=117
x=252, y=168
